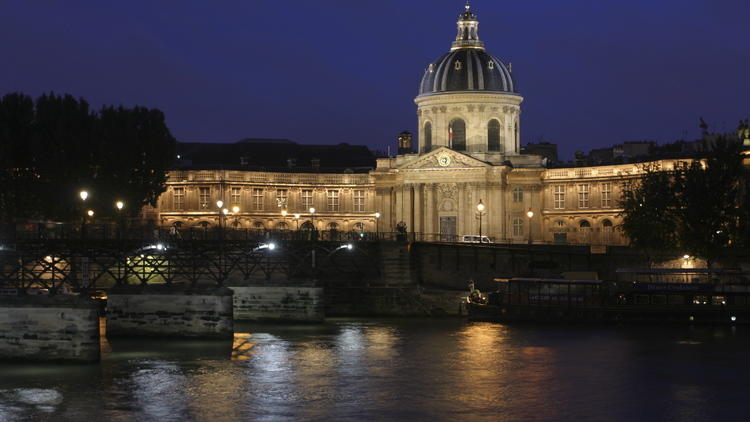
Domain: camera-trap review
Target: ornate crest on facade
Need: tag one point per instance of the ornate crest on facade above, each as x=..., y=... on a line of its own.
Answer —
x=447, y=190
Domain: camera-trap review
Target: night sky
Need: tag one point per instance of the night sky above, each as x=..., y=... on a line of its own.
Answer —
x=593, y=73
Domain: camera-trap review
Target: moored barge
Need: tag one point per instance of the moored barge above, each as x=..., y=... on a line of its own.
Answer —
x=537, y=299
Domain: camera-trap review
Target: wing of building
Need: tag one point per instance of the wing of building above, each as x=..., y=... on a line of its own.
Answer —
x=468, y=153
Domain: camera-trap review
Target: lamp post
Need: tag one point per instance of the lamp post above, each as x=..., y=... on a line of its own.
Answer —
x=119, y=205
x=480, y=214
x=312, y=217
x=530, y=214
x=220, y=205
x=377, y=225
x=284, y=213
x=83, y=195
x=296, y=220
x=236, y=212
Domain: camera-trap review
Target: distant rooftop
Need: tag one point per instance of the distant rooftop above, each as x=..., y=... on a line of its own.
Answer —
x=274, y=155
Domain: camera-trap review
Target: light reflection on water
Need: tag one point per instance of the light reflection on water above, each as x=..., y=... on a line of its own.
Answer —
x=396, y=370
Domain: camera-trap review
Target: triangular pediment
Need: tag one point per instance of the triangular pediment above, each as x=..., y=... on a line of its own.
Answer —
x=442, y=158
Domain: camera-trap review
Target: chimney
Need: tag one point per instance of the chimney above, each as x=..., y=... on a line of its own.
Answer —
x=404, y=143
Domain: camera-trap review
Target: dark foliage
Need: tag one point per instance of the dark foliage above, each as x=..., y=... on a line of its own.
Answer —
x=53, y=147
x=700, y=208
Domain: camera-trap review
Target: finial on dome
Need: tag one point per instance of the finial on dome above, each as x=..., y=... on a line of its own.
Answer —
x=468, y=27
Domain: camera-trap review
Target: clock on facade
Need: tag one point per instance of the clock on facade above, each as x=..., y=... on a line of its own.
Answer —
x=444, y=160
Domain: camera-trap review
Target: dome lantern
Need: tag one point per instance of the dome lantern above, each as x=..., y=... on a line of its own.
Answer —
x=468, y=30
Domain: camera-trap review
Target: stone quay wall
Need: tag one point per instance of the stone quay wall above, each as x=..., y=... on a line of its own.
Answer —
x=278, y=303
x=41, y=328
x=170, y=311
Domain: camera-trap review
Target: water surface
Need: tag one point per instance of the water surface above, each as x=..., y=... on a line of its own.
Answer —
x=398, y=370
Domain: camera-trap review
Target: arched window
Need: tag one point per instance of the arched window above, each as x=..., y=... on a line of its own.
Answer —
x=493, y=135
x=584, y=230
x=457, y=135
x=282, y=226
x=258, y=225
x=560, y=232
x=358, y=227
x=427, y=137
x=333, y=226
x=307, y=225
x=607, y=229
x=516, y=137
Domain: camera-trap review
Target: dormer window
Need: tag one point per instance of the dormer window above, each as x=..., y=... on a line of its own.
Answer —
x=491, y=65
x=457, y=65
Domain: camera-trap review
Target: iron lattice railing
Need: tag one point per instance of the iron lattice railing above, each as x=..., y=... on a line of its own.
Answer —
x=84, y=265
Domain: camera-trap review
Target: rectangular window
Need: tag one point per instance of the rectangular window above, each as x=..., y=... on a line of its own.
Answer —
x=606, y=195
x=517, y=195
x=281, y=198
x=258, y=199
x=359, y=200
x=518, y=227
x=179, y=198
x=307, y=199
x=236, y=196
x=559, y=197
x=333, y=200
x=204, y=195
x=583, y=195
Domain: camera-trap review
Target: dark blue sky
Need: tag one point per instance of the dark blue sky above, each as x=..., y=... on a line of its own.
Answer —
x=593, y=72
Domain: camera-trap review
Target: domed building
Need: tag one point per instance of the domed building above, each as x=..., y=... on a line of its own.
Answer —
x=469, y=100
x=466, y=178
x=468, y=110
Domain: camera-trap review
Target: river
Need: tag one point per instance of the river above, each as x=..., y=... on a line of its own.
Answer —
x=389, y=370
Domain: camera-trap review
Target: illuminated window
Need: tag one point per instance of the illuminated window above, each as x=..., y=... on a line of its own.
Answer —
x=493, y=135
x=258, y=199
x=427, y=137
x=559, y=197
x=517, y=194
x=606, y=195
x=333, y=200
x=179, y=198
x=204, y=195
x=236, y=195
x=359, y=200
x=518, y=227
x=307, y=199
x=281, y=198
x=491, y=64
x=583, y=195
x=457, y=135
x=457, y=65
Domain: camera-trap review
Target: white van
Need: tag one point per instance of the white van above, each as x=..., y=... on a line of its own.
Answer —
x=475, y=239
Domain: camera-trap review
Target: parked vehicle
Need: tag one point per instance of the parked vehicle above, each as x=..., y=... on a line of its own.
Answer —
x=475, y=239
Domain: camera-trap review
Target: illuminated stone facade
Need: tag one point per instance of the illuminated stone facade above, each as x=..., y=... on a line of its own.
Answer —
x=468, y=112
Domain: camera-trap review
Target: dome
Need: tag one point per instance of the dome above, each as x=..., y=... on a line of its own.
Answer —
x=467, y=69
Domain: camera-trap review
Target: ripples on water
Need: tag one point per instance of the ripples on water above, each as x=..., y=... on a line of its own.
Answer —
x=397, y=370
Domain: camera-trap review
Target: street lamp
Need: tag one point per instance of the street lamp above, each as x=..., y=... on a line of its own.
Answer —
x=480, y=213
x=236, y=212
x=377, y=224
x=220, y=205
x=296, y=220
x=83, y=194
x=90, y=213
x=530, y=214
x=119, y=205
x=312, y=217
